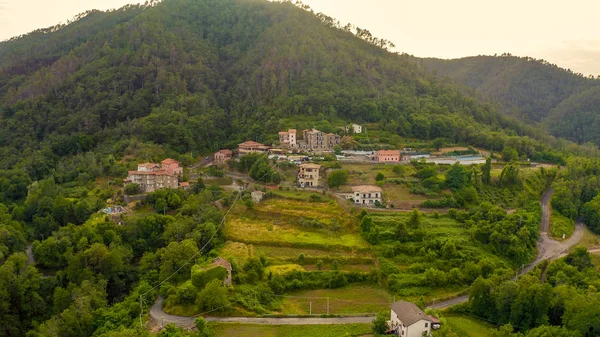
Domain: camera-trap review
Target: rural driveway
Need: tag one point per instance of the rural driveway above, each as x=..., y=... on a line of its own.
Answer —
x=548, y=248
x=161, y=318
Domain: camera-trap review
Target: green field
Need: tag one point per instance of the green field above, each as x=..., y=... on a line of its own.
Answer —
x=300, y=195
x=560, y=225
x=292, y=223
x=468, y=327
x=323, y=330
x=352, y=299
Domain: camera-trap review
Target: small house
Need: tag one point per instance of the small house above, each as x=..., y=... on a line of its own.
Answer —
x=356, y=128
x=222, y=156
x=408, y=320
x=308, y=175
x=252, y=147
x=219, y=261
x=366, y=194
x=257, y=196
x=388, y=156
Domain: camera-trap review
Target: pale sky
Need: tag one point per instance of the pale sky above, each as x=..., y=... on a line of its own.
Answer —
x=562, y=32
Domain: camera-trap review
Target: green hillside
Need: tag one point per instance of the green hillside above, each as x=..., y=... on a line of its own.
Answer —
x=200, y=75
x=534, y=91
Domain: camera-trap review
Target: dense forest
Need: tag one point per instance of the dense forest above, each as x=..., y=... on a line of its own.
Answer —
x=535, y=91
x=81, y=104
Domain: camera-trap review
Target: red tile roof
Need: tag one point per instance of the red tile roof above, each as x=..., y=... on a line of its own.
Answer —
x=251, y=144
x=225, y=151
x=169, y=161
x=155, y=173
x=388, y=152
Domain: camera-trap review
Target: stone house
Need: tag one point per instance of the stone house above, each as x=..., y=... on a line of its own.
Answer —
x=222, y=156
x=219, y=261
x=288, y=138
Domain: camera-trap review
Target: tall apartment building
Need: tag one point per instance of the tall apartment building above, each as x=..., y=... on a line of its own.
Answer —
x=288, y=138
x=152, y=176
x=315, y=140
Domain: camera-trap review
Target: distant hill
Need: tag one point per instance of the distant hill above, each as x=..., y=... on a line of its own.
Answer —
x=198, y=75
x=528, y=89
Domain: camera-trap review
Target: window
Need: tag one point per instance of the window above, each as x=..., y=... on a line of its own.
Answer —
x=426, y=324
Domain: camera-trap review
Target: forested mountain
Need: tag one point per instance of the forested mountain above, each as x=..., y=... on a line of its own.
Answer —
x=529, y=89
x=199, y=75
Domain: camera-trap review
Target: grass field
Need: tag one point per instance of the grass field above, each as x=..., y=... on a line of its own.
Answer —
x=300, y=195
x=354, y=298
x=293, y=223
x=469, y=327
x=560, y=225
x=590, y=239
x=251, y=330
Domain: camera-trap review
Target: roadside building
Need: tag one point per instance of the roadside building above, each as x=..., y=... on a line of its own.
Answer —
x=366, y=194
x=407, y=320
x=150, y=181
x=388, y=156
x=308, y=175
x=219, y=261
x=252, y=147
x=356, y=128
x=257, y=196
x=222, y=156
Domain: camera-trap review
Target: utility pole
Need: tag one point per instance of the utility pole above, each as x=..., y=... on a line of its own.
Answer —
x=141, y=309
x=310, y=308
x=327, y=305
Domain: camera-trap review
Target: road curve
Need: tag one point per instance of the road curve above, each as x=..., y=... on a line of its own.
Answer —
x=548, y=248
x=161, y=319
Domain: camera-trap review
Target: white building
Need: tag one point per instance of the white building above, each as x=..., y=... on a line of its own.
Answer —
x=407, y=320
x=357, y=128
x=366, y=194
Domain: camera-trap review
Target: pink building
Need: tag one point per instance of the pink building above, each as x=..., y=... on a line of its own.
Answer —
x=171, y=166
x=388, y=156
x=222, y=156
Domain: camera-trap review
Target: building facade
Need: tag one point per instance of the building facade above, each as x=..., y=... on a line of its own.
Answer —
x=388, y=156
x=356, y=128
x=288, y=138
x=407, y=320
x=171, y=166
x=308, y=175
x=315, y=140
x=252, y=147
x=222, y=156
x=151, y=181
x=366, y=194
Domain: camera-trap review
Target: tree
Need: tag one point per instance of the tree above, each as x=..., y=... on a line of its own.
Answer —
x=480, y=297
x=456, y=177
x=213, y=296
x=337, y=178
x=509, y=154
x=379, y=325
x=337, y=150
x=132, y=189
x=379, y=177
x=414, y=221
x=487, y=171
x=438, y=143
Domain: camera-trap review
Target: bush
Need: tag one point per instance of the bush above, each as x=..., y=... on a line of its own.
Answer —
x=337, y=178
x=132, y=189
x=441, y=203
x=379, y=177
x=201, y=277
x=314, y=198
x=380, y=323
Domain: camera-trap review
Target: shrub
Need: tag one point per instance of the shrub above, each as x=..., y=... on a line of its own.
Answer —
x=132, y=189
x=201, y=277
x=379, y=177
x=314, y=198
x=337, y=178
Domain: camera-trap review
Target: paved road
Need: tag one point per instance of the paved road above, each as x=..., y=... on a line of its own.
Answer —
x=548, y=248
x=161, y=318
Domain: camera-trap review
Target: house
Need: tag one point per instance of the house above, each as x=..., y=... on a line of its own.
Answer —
x=366, y=194
x=308, y=175
x=222, y=156
x=219, y=261
x=151, y=181
x=356, y=128
x=407, y=320
x=388, y=156
x=171, y=166
x=288, y=138
x=148, y=167
x=257, y=196
x=184, y=185
x=333, y=140
x=252, y=147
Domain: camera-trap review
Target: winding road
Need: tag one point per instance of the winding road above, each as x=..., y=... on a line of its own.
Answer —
x=548, y=249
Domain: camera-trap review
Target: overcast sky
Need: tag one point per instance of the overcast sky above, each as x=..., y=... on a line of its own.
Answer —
x=562, y=32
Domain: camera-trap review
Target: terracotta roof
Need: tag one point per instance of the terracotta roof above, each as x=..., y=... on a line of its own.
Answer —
x=149, y=165
x=251, y=143
x=311, y=166
x=283, y=132
x=169, y=161
x=408, y=313
x=155, y=173
x=366, y=189
x=388, y=152
x=292, y=131
x=434, y=319
x=225, y=151
x=184, y=184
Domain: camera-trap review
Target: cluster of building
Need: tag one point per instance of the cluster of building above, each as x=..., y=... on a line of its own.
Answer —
x=312, y=140
x=152, y=176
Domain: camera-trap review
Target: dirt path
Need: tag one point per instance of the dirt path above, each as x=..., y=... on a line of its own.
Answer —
x=548, y=248
x=161, y=319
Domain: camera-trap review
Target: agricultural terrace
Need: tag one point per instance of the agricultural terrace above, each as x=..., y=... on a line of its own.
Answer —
x=292, y=223
x=250, y=330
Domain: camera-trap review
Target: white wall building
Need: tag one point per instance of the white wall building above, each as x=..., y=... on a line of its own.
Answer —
x=366, y=194
x=407, y=320
x=356, y=128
